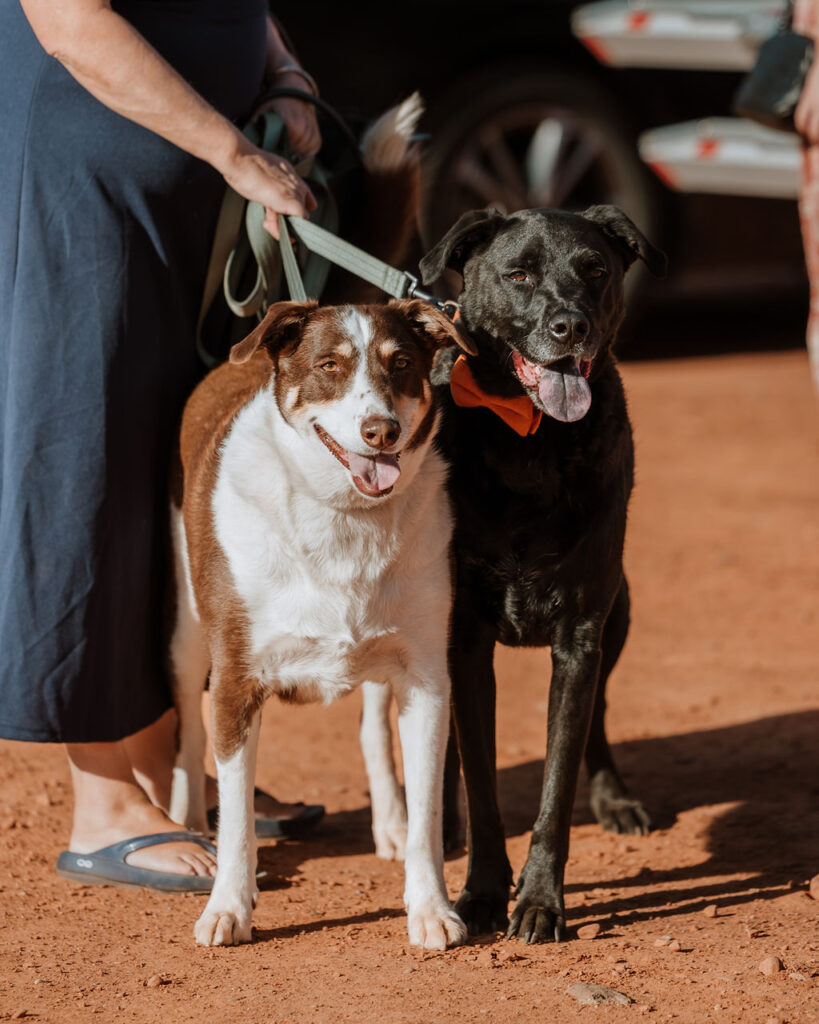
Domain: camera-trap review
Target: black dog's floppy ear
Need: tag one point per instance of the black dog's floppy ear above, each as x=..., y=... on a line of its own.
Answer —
x=281, y=323
x=632, y=242
x=432, y=323
x=454, y=248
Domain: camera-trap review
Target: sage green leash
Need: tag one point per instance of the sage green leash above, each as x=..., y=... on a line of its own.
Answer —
x=240, y=239
x=399, y=284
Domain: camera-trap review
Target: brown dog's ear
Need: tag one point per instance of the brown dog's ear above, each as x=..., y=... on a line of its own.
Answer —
x=455, y=247
x=281, y=324
x=630, y=240
x=426, y=319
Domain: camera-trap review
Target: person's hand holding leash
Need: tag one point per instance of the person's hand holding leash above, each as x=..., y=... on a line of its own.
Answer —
x=270, y=180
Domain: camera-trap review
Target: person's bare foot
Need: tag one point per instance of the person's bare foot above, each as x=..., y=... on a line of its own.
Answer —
x=109, y=807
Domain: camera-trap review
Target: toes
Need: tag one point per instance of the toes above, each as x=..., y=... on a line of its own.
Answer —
x=436, y=930
x=633, y=819
x=198, y=864
x=221, y=928
x=186, y=865
x=482, y=915
x=535, y=923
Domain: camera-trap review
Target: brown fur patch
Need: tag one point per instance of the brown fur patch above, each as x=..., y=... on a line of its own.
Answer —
x=395, y=339
x=423, y=430
x=323, y=339
x=207, y=419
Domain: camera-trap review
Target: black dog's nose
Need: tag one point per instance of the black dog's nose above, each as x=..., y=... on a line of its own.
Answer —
x=380, y=432
x=568, y=325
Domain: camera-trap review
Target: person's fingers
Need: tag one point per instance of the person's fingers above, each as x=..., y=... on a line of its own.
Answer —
x=271, y=223
x=309, y=199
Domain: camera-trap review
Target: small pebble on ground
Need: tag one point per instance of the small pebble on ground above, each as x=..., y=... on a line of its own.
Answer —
x=771, y=965
x=595, y=995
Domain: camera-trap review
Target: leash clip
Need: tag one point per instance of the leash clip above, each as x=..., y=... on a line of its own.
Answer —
x=447, y=306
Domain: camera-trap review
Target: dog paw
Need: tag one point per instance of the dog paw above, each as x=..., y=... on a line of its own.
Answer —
x=435, y=929
x=615, y=810
x=390, y=840
x=485, y=913
x=532, y=920
x=222, y=928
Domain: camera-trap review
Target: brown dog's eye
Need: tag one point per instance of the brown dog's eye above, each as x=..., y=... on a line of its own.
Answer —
x=329, y=365
x=518, y=275
x=400, y=363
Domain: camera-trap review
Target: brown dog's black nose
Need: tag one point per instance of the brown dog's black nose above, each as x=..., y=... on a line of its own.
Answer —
x=380, y=432
x=569, y=326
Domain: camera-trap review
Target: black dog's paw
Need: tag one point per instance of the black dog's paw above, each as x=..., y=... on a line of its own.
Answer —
x=534, y=920
x=483, y=914
x=615, y=809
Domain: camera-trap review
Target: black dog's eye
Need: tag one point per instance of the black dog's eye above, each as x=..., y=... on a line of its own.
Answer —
x=596, y=270
x=518, y=275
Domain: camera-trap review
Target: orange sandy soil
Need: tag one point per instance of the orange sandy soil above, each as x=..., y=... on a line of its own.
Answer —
x=714, y=720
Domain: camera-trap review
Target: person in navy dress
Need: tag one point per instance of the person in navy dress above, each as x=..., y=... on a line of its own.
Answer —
x=119, y=128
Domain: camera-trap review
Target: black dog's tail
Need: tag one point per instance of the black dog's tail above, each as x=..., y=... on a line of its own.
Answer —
x=382, y=217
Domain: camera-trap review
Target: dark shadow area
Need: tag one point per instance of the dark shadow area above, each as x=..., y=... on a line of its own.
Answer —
x=320, y=923
x=712, y=327
x=767, y=771
x=345, y=834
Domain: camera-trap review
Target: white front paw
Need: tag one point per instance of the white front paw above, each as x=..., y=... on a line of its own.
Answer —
x=390, y=839
x=223, y=928
x=435, y=928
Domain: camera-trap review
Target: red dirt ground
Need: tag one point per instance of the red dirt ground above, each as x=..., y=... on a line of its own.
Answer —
x=714, y=717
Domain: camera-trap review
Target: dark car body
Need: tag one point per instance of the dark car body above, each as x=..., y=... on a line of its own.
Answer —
x=479, y=64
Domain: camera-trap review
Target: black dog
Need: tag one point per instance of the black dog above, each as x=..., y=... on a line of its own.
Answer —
x=540, y=523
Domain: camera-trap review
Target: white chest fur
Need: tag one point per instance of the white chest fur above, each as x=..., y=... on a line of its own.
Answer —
x=333, y=596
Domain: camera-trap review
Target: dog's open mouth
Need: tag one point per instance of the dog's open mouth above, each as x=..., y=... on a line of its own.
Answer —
x=562, y=386
x=373, y=475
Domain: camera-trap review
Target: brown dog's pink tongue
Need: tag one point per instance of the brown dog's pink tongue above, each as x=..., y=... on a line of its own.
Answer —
x=565, y=396
x=373, y=474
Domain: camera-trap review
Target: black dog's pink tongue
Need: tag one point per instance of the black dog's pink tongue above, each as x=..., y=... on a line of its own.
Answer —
x=565, y=396
x=373, y=474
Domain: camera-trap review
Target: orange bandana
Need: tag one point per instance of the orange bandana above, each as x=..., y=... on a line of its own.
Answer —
x=517, y=413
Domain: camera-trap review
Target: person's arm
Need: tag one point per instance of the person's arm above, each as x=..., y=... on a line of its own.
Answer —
x=107, y=56
x=806, y=115
x=299, y=117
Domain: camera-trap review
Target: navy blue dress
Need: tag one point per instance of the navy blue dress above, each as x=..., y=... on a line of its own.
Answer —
x=104, y=238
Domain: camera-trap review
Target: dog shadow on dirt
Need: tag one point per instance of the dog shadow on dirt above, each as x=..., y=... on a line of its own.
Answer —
x=761, y=776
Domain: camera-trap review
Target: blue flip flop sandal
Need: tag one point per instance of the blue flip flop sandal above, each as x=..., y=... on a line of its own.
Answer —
x=279, y=828
x=109, y=867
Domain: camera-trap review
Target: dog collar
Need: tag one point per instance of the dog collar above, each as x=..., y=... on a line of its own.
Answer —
x=518, y=413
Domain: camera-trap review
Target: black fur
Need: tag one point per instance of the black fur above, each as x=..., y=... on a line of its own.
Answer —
x=540, y=523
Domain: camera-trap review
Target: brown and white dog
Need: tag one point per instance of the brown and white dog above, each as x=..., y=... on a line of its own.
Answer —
x=311, y=541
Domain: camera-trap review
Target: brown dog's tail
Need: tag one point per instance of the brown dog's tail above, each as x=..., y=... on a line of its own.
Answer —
x=384, y=211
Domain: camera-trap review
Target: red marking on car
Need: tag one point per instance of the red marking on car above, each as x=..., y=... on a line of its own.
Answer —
x=638, y=21
x=663, y=172
x=707, y=149
x=596, y=48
